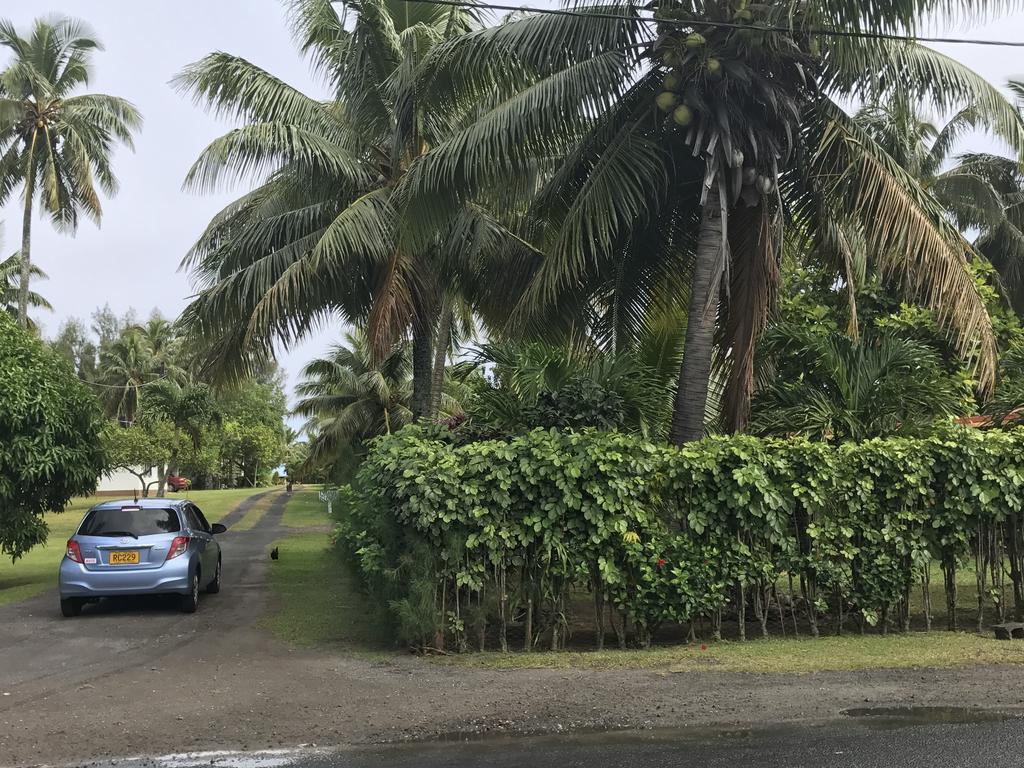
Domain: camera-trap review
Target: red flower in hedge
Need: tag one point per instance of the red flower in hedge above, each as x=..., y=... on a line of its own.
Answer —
x=660, y=563
x=703, y=647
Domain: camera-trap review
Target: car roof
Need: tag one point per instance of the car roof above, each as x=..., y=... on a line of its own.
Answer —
x=143, y=503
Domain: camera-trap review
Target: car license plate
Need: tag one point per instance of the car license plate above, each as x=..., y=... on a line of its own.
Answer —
x=125, y=557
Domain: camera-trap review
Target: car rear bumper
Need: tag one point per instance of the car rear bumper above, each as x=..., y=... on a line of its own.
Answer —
x=76, y=581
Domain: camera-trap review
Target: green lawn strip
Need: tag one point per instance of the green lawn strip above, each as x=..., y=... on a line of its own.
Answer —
x=253, y=516
x=305, y=510
x=784, y=656
x=37, y=570
x=318, y=600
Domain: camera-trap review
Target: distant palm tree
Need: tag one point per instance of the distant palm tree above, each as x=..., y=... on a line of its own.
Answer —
x=926, y=152
x=346, y=399
x=125, y=366
x=165, y=347
x=10, y=278
x=981, y=192
x=53, y=142
x=832, y=387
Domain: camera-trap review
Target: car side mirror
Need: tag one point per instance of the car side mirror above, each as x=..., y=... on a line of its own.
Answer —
x=218, y=528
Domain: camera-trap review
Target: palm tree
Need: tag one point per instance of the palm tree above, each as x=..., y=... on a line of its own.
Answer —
x=1002, y=242
x=832, y=387
x=531, y=384
x=980, y=191
x=125, y=366
x=703, y=126
x=165, y=347
x=925, y=151
x=320, y=237
x=53, y=142
x=10, y=277
x=347, y=399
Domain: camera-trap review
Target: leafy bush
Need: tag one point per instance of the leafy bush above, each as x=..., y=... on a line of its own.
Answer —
x=675, y=535
x=49, y=438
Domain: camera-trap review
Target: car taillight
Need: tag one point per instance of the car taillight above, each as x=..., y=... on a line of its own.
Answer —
x=74, y=552
x=178, y=547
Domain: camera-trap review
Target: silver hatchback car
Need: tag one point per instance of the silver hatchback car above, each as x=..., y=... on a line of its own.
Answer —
x=144, y=547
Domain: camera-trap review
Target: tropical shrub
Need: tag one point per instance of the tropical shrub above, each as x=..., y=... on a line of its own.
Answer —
x=515, y=529
x=49, y=438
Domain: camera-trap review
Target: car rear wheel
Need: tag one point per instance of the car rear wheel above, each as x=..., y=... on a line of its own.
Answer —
x=70, y=606
x=214, y=586
x=190, y=602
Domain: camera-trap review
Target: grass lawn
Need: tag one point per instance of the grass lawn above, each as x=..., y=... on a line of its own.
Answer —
x=37, y=570
x=794, y=656
x=305, y=510
x=318, y=597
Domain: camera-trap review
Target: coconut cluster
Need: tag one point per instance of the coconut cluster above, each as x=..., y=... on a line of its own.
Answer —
x=689, y=54
x=668, y=100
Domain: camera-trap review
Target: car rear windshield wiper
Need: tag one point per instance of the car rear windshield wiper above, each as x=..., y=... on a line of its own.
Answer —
x=115, y=533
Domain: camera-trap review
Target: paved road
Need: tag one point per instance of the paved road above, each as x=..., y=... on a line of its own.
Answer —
x=114, y=635
x=874, y=743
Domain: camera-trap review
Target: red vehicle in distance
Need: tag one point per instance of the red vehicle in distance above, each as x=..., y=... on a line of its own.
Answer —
x=177, y=483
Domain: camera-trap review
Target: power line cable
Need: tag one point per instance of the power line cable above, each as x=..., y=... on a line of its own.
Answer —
x=128, y=385
x=720, y=24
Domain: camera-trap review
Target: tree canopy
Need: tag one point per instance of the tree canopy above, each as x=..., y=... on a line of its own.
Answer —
x=49, y=438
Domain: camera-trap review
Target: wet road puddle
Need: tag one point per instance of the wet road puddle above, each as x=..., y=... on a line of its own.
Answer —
x=900, y=716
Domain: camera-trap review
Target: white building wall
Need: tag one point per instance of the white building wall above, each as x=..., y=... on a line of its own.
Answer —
x=122, y=481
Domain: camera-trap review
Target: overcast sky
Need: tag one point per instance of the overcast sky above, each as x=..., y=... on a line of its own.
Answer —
x=132, y=259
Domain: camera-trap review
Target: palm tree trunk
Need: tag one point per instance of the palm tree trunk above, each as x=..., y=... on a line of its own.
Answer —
x=422, y=363
x=695, y=371
x=26, y=241
x=444, y=338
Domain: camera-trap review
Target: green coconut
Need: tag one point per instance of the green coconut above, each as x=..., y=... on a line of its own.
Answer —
x=714, y=66
x=683, y=115
x=666, y=100
x=695, y=40
x=671, y=82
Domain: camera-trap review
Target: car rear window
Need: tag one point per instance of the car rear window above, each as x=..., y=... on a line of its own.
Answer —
x=129, y=522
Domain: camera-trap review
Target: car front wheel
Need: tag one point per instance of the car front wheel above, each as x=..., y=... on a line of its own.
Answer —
x=190, y=602
x=70, y=606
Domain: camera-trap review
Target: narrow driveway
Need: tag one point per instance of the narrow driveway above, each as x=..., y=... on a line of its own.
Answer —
x=41, y=652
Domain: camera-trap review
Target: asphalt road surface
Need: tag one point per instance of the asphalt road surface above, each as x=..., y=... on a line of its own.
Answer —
x=874, y=742
x=116, y=634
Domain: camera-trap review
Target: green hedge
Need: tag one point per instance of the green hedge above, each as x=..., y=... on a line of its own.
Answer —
x=465, y=541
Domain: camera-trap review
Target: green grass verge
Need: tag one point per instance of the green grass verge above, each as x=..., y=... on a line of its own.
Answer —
x=37, y=570
x=305, y=510
x=317, y=596
x=784, y=656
